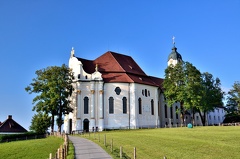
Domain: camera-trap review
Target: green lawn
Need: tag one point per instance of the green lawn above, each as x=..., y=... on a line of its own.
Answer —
x=30, y=149
x=181, y=143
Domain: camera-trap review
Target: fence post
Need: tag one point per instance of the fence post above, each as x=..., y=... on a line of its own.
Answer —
x=63, y=153
x=135, y=153
x=105, y=140
x=50, y=156
x=112, y=146
x=58, y=153
x=66, y=149
x=120, y=151
x=65, y=138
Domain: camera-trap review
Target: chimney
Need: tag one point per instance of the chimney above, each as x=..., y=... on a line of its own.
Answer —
x=9, y=116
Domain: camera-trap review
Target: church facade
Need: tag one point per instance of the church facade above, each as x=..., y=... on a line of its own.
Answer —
x=113, y=92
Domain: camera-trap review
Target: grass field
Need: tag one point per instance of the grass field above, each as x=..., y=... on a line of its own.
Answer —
x=175, y=143
x=30, y=149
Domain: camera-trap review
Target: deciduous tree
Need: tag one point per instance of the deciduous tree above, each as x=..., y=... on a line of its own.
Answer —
x=53, y=86
x=211, y=95
x=233, y=100
x=181, y=84
x=40, y=123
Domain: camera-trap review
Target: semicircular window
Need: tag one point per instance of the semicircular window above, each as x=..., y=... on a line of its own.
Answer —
x=118, y=90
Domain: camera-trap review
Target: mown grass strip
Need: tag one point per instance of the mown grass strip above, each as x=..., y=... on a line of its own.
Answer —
x=29, y=149
x=199, y=142
x=71, y=151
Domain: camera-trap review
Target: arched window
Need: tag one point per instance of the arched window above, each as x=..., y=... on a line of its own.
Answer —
x=165, y=107
x=86, y=105
x=176, y=108
x=171, y=112
x=145, y=92
x=152, y=107
x=111, y=105
x=140, y=105
x=124, y=102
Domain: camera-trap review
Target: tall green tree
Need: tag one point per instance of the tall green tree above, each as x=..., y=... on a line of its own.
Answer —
x=181, y=84
x=233, y=99
x=211, y=95
x=192, y=89
x=174, y=85
x=40, y=123
x=53, y=86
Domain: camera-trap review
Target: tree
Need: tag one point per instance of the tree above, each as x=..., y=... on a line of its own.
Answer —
x=192, y=89
x=174, y=85
x=182, y=83
x=211, y=95
x=40, y=123
x=233, y=99
x=53, y=87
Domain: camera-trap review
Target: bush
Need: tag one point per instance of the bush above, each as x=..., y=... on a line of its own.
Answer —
x=16, y=137
x=232, y=119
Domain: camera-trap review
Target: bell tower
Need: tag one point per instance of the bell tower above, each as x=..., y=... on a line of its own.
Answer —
x=174, y=57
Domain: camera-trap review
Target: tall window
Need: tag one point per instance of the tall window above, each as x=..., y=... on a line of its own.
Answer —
x=171, y=112
x=124, y=102
x=176, y=108
x=111, y=105
x=140, y=105
x=152, y=107
x=165, y=107
x=86, y=106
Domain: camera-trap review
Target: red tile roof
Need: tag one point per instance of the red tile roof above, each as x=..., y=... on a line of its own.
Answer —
x=117, y=67
x=11, y=126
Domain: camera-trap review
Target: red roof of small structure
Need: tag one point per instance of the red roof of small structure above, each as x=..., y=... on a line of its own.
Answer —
x=117, y=67
x=11, y=126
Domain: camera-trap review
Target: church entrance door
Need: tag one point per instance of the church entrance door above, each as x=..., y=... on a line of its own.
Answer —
x=86, y=125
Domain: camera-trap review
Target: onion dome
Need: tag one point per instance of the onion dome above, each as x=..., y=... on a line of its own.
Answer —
x=175, y=55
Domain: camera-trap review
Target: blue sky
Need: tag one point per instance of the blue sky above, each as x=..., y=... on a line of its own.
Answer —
x=40, y=33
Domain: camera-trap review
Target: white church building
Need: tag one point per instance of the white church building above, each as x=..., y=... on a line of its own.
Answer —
x=113, y=92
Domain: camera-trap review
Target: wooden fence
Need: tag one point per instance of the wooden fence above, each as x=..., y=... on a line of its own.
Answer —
x=109, y=145
x=62, y=151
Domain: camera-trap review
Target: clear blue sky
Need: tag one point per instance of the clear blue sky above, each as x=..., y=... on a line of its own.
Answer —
x=40, y=33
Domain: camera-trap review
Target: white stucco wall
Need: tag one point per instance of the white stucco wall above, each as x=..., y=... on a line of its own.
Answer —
x=215, y=117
